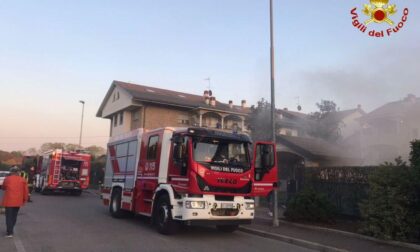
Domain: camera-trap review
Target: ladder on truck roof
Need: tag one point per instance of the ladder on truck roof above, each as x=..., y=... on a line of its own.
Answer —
x=57, y=166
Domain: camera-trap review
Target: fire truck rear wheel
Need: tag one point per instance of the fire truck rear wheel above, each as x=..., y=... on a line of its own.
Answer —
x=115, y=206
x=163, y=216
x=227, y=228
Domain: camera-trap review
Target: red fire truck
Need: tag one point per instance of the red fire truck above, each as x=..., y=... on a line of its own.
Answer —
x=62, y=171
x=187, y=175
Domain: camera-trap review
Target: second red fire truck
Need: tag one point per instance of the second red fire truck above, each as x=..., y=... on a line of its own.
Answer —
x=188, y=175
x=62, y=171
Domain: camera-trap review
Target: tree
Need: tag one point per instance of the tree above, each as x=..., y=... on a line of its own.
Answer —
x=31, y=152
x=95, y=150
x=260, y=121
x=97, y=171
x=392, y=210
x=323, y=124
x=51, y=146
x=72, y=147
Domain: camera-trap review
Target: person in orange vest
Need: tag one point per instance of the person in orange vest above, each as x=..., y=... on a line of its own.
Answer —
x=15, y=196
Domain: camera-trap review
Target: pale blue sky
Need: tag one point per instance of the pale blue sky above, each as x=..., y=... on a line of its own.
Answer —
x=54, y=53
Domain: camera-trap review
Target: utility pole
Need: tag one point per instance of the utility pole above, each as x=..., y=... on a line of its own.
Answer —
x=81, y=125
x=273, y=111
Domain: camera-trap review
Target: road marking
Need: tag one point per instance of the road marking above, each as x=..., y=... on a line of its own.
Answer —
x=19, y=245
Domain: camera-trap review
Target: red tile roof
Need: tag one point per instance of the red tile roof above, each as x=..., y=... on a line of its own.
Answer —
x=169, y=97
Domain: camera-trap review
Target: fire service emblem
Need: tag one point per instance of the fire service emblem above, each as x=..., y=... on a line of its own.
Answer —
x=379, y=11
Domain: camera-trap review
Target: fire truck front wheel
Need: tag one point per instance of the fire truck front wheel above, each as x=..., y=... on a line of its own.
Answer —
x=115, y=206
x=163, y=216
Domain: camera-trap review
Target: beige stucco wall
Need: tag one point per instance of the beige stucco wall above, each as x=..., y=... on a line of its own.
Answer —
x=124, y=127
x=157, y=117
x=112, y=106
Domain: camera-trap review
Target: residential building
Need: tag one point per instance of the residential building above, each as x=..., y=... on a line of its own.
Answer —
x=129, y=106
x=387, y=131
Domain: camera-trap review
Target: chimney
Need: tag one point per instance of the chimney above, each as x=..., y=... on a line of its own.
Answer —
x=206, y=94
x=243, y=103
x=213, y=101
x=230, y=104
x=207, y=100
x=359, y=106
x=410, y=98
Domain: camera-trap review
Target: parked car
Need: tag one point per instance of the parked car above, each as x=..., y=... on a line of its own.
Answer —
x=3, y=175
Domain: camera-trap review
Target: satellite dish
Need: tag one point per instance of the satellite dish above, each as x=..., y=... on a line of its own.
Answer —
x=299, y=108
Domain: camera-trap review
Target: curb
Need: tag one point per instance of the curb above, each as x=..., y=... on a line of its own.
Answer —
x=350, y=234
x=291, y=240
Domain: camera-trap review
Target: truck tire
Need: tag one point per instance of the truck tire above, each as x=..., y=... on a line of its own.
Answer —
x=163, y=216
x=115, y=205
x=227, y=228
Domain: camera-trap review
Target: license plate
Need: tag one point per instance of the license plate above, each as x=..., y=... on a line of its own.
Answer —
x=228, y=205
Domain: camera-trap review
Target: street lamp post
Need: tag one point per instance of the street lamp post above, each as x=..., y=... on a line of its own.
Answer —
x=273, y=110
x=81, y=125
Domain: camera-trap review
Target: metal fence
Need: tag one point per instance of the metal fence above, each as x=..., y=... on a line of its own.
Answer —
x=345, y=187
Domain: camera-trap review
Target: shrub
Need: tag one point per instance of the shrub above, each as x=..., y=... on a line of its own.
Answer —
x=310, y=206
x=390, y=210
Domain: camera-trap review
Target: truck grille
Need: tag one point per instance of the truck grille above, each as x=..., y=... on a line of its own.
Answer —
x=208, y=188
x=224, y=212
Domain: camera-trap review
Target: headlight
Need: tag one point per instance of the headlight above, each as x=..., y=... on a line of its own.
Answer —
x=249, y=206
x=195, y=204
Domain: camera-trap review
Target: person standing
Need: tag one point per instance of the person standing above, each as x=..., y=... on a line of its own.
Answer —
x=15, y=196
x=26, y=177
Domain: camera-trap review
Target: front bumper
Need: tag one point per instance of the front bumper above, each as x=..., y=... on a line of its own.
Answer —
x=214, y=210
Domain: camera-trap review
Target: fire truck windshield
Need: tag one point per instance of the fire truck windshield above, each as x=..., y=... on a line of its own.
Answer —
x=221, y=152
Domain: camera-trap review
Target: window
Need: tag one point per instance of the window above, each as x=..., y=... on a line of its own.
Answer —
x=181, y=163
x=152, y=148
x=118, y=95
x=221, y=152
x=115, y=120
x=126, y=156
x=131, y=158
x=135, y=115
x=121, y=118
x=183, y=120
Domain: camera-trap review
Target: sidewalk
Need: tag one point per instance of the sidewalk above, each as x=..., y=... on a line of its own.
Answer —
x=312, y=237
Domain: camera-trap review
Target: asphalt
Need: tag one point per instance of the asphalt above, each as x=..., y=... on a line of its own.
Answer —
x=68, y=223
x=328, y=238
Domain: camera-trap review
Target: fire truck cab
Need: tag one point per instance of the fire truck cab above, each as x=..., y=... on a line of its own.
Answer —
x=192, y=176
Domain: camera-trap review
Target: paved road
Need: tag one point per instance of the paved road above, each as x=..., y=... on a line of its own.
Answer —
x=68, y=223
